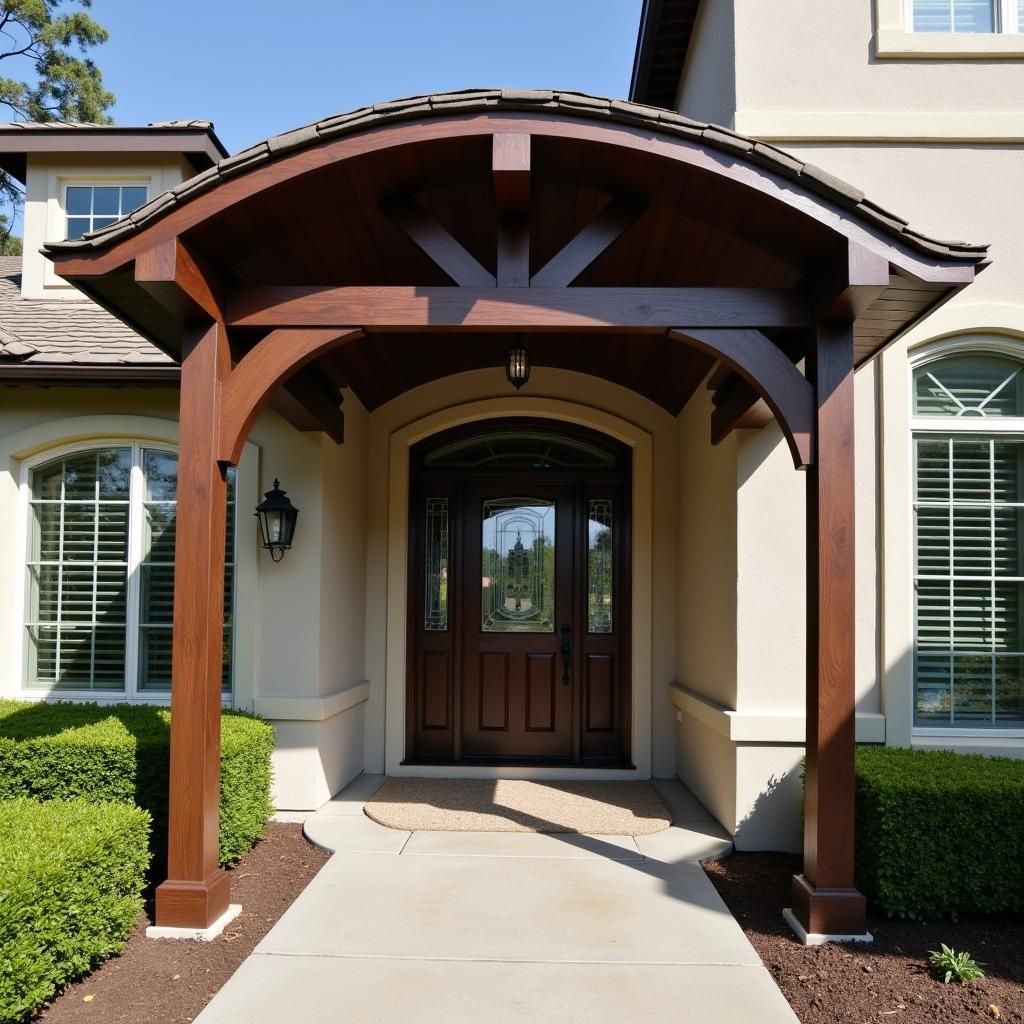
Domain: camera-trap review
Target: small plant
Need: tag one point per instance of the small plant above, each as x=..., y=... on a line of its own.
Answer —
x=950, y=965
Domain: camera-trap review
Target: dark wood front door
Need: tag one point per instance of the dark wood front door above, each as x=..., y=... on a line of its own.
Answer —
x=519, y=617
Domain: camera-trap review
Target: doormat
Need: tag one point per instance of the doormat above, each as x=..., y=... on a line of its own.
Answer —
x=514, y=805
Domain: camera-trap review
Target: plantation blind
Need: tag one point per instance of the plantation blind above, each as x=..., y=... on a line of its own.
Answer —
x=101, y=571
x=968, y=509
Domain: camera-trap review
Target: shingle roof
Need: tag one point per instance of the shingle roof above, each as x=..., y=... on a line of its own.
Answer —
x=467, y=101
x=34, y=126
x=64, y=332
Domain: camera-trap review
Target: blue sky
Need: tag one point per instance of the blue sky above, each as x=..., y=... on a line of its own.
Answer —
x=256, y=68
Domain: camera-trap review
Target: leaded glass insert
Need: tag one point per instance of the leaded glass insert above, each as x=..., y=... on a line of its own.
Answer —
x=969, y=387
x=435, y=612
x=600, y=566
x=969, y=580
x=517, y=592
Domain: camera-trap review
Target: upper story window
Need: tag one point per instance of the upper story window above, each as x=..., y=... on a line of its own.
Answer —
x=969, y=542
x=91, y=207
x=966, y=16
x=101, y=571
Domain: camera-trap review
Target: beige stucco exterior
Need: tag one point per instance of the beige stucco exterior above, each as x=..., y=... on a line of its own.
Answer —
x=939, y=140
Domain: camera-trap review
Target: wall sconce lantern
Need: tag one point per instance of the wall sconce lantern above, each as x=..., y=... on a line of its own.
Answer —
x=517, y=364
x=277, y=516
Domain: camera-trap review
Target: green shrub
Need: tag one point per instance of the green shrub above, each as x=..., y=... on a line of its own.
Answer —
x=939, y=833
x=121, y=753
x=71, y=880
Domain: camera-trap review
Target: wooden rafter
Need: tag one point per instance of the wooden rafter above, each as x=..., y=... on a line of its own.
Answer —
x=737, y=405
x=449, y=254
x=180, y=281
x=568, y=263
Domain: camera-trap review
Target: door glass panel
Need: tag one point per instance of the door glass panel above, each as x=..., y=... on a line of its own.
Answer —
x=435, y=613
x=518, y=566
x=600, y=581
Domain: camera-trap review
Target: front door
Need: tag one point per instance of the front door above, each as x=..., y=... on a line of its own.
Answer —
x=522, y=598
x=519, y=617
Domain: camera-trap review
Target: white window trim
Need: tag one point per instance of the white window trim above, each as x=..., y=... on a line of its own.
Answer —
x=45, y=441
x=117, y=181
x=894, y=36
x=975, y=345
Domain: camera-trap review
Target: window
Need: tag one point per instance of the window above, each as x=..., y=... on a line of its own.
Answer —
x=966, y=16
x=90, y=207
x=969, y=527
x=101, y=571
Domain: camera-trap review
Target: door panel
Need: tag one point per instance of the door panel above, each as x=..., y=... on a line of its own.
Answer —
x=519, y=609
x=517, y=575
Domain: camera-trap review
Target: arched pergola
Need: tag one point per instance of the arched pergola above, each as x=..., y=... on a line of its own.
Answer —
x=405, y=242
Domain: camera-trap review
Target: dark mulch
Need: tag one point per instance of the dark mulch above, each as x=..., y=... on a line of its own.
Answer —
x=169, y=981
x=885, y=981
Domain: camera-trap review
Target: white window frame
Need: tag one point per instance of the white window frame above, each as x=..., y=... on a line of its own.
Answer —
x=127, y=181
x=131, y=693
x=1004, y=426
x=895, y=38
x=1006, y=14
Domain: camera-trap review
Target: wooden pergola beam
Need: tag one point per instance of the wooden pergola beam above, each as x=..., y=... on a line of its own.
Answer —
x=766, y=369
x=510, y=173
x=180, y=281
x=524, y=309
x=737, y=405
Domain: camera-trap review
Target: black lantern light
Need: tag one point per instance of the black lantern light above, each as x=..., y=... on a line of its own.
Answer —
x=277, y=516
x=517, y=364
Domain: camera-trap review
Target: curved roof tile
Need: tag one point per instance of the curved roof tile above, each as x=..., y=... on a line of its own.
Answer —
x=552, y=101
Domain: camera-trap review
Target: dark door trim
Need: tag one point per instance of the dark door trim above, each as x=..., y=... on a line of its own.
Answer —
x=601, y=726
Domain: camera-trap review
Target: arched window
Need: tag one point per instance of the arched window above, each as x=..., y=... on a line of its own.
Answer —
x=101, y=570
x=968, y=425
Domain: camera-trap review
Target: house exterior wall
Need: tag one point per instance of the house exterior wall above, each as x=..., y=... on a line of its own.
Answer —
x=47, y=174
x=818, y=80
x=299, y=635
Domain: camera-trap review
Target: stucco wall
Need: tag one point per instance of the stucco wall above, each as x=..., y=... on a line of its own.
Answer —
x=707, y=88
x=821, y=57
x=299, y=647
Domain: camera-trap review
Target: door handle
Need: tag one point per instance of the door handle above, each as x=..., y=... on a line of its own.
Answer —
x=566, y=653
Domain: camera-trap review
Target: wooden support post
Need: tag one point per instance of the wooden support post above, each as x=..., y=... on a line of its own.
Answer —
x=196, y=891
x=825, y=900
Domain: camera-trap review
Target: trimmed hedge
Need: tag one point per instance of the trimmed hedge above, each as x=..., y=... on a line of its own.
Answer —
x=121, y=753
x=71, y=880
x=939, y=833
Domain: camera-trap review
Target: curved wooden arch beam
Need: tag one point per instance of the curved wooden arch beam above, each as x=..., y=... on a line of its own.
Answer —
x=260, y=372
x=764, y=367
x=244, y=184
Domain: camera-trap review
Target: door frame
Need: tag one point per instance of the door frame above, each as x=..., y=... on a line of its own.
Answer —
x=400, y=443
x=457, y=487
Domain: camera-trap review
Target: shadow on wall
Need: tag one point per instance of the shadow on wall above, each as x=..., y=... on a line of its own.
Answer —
x=768, y=823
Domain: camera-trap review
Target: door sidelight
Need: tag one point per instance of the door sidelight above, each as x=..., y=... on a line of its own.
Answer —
x=566, y=653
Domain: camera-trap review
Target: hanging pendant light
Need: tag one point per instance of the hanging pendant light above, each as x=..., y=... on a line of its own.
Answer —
x=517, y=364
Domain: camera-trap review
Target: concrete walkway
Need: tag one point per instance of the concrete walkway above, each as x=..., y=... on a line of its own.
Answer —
x=505, y=928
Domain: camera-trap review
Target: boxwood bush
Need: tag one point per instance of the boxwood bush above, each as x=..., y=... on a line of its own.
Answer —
x=939, y=833
x=72, y=874
x=121, y=753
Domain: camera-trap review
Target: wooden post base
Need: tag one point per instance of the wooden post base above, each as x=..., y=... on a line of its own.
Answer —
x=186, y=904
x=820, y=911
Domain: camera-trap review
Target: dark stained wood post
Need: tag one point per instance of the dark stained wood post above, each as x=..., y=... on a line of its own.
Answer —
x=825, y=900
x=196, y=891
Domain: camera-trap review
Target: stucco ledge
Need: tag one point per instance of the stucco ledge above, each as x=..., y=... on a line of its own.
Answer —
x=312, y=709
x=762, y=726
